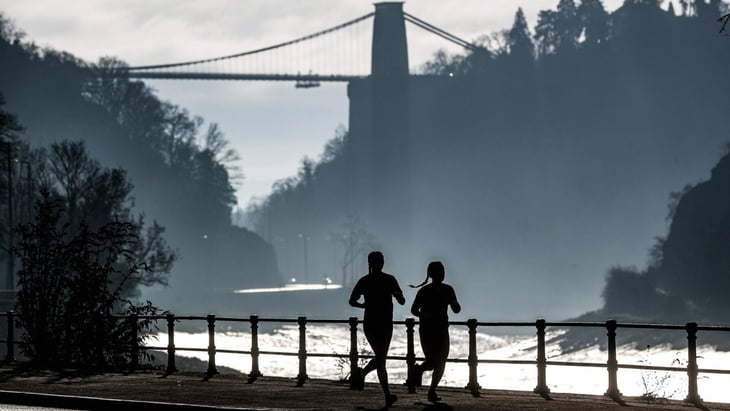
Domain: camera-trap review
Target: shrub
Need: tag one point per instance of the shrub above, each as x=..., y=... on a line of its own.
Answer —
x=71, y=284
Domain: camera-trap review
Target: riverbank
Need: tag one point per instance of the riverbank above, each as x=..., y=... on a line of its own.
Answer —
x=232, y=390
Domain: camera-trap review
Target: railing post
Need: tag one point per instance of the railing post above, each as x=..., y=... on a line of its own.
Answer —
x=612, y=363
x=541, y=388
x=171, y=344
x=692, y=394
x=255, y=373
x=10, y=357
x=410, y=355
x=302, y=377
x=212, y=370
x=473, y=360
x=353, y=351
x=134, y=342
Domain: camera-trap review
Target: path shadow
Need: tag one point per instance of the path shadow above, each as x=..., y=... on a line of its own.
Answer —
x=49, y=376
x=363, y=408
x=9, y=373
x=66, y=374
x=435, y=406
x=208, y=375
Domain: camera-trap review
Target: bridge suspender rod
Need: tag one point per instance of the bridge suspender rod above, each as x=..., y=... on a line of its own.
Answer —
x=441, y=33
x=276, y=46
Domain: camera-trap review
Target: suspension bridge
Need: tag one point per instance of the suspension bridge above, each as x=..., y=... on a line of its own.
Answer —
x=370, y=54
x=337, y=54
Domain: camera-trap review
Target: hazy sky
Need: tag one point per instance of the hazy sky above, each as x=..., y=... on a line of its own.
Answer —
x=272, y=125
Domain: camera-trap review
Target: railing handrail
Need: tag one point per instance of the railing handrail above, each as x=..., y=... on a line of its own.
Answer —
x=557, y=324
x=611, y=326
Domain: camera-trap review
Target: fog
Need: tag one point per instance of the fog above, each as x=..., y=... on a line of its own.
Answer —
x=528, y=180
x=530, y=166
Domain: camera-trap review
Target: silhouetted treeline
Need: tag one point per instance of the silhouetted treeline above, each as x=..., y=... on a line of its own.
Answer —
x=182, y=170
x=534, y=165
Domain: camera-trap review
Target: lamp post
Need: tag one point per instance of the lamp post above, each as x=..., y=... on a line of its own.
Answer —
x=282, y=252
x=9, y=280
x=208, y=257
x=333, y=244
x=348, y=241
x=27, y=196
x=305, y=237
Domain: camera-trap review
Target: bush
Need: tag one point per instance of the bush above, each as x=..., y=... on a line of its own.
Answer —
x=71, y=284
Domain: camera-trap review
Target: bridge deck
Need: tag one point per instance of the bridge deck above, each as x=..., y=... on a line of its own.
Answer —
x=233, y=76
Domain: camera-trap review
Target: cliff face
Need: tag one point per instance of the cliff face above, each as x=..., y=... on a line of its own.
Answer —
x=696, y=253
x=687, y=278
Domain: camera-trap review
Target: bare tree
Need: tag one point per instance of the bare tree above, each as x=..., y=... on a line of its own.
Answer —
x=357, y=242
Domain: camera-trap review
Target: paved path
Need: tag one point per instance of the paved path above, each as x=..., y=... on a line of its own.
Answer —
x=232, y=392
x=12, y=407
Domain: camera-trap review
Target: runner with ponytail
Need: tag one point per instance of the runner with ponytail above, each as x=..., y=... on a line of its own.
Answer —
x=431, y=307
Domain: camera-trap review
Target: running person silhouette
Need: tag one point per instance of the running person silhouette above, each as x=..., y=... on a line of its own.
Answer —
x=431, y=307
x=379, y=289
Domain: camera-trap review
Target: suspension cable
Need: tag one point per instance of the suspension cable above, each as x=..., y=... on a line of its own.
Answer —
x=276, y=46
x=439, y=32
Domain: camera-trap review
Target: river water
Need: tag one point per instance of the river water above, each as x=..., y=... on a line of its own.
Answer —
x=335, y=339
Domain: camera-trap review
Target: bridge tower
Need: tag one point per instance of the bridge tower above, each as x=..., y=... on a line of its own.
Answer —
x=389, y=153
x=390, y=47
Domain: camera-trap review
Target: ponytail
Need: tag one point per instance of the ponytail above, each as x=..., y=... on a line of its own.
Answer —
x=419, y=285
x=435, y=271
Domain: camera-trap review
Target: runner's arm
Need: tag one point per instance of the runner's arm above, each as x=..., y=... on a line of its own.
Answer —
x=355, y=296
x=416, y=306
x=399, y=297
x=398, y=293
x=455, y=306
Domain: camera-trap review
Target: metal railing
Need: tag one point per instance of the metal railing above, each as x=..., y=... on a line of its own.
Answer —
x=541, y=362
